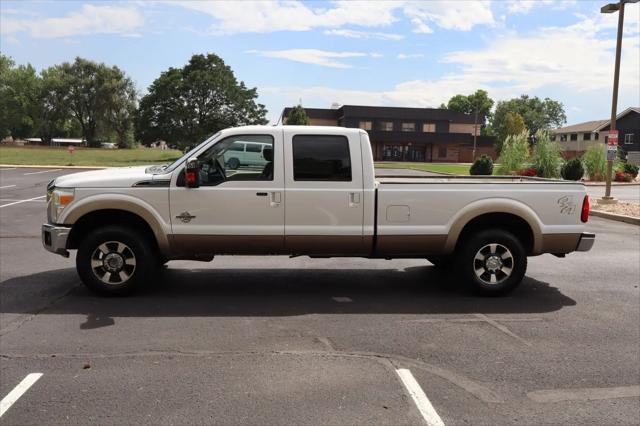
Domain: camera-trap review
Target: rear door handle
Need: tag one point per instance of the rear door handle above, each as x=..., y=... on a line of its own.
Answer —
x=261, y=194
x=276, y=199
x=354, y=199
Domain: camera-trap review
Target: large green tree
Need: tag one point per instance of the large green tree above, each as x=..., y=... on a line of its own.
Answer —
x=478, y=102
x=18, y=96
x=297, y=116
x=185, y=105
x=538, y=114
x=513, y=125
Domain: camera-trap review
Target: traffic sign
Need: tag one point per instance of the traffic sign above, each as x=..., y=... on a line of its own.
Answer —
x=612, y=151
x=71, y=148
x=613, y=137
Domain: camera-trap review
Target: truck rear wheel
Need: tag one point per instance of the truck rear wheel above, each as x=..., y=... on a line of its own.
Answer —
x=115, y=260
x=492, y=262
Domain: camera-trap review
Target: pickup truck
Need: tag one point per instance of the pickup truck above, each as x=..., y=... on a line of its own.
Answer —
x=315, y=193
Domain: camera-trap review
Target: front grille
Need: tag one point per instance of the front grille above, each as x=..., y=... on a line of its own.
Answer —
x=47, y=238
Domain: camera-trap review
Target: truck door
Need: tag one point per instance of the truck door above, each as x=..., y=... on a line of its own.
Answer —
x=237, y=209
x=324, y=193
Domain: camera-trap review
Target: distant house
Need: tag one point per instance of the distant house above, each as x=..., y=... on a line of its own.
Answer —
x=578, y=138
x=408, y=134
x=58, y=142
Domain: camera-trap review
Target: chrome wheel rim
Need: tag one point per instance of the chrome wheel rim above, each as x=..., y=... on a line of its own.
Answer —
x=113, y=262
x=493, y=264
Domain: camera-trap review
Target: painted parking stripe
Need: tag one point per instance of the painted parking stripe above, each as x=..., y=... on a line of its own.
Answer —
x=12, y=168
x=6, y=186
x=43, y=171
x=22, y=201
x=429, y=413
x=18, y=391
x=342, y=299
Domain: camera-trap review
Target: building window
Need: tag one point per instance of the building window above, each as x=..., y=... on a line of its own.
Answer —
x=574, y=136
x=442, y=152
x=366, y=125
x=408, y=127
x=386, y=126
x=429, y=127
x=586, y=137
x=628, y=138
x=563, y=138
x=392, y=153
x=321, y=158
x=597, y=136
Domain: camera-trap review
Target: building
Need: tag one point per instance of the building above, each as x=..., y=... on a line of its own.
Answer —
x=578, y=138
x=408, y=134
x=58, y=142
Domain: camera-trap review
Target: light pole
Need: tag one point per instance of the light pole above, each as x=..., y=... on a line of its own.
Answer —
x=611, y=8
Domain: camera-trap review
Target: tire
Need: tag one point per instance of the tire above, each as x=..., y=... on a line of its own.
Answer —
x=441, y=262
x=492, y=262
x=115, y=260
x=233, y=163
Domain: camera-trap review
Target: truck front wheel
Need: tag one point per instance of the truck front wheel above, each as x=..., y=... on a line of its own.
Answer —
x=493, y=262
x=115, y=260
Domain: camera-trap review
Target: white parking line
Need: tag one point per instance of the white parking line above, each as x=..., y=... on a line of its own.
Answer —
x=429, y=413
x=18, y=391
x=22, y=201
x=44, y=171
x=342, y=299
x=6, y=186
x=12, y=168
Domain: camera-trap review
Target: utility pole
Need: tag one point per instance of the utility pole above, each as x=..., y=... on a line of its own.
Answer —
x=613, y=134
x=475, y=133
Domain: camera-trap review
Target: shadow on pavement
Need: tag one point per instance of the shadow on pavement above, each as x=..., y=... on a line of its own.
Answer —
x=273, y=292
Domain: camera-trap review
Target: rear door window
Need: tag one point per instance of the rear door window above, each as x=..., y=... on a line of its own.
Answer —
x=321, y=158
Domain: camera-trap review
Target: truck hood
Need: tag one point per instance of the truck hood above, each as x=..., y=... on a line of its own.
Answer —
x=117, y=177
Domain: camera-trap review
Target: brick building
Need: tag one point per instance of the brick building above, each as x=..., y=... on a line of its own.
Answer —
x=408, y=134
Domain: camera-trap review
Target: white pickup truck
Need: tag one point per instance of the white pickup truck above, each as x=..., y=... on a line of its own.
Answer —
x=314, y=194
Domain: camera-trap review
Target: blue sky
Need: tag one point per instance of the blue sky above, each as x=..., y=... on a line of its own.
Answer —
x=397, y=53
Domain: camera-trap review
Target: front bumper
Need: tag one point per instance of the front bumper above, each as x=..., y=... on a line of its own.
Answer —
x=586, y=241
x=54, y=238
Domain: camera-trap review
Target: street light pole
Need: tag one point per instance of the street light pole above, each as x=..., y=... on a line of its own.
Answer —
x=610, y=8
x=475, y=134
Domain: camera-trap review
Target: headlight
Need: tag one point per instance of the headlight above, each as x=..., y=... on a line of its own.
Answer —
x=59, y=198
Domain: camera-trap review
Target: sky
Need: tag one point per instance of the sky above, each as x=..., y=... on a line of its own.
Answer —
x=391, y=53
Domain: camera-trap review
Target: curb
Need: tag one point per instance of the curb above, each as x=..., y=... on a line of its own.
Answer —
x=613, y=184
x=40, y=166
x=617, y=217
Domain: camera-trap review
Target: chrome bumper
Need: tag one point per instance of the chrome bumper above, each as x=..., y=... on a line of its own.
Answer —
x=586, y=241
x=54, y=238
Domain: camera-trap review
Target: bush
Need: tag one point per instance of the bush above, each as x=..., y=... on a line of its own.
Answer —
x=483, y=166
x=623, y=177
x=631, y=169
x=572, y=169
x=514, y=154
x=595, y=162
x=531, y=171
x=546, y=156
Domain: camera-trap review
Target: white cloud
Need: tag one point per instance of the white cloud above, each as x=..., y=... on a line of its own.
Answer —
x=524, y=6
x=363, y=34
x=410, y=55
x=314, y=56
x=278, y=15
x=89, y=19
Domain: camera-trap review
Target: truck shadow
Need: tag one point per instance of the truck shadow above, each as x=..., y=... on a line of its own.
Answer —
x=274, y=292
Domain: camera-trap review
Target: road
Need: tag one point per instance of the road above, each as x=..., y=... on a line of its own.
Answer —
x=271, y=340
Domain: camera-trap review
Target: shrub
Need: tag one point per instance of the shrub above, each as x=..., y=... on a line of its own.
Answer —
x=572, y=169
x=595, y=162
x=514, y=154
x=631, y=169
x=530, y=171
x=546, y=156
x=622, y=176
x=482, y=166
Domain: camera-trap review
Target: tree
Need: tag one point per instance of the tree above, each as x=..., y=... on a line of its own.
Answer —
x=537, y=114
x=52, y=114
x=513, y=125
x=94, y=92
x=18, y=92
x=186, y=105
x=479, y=102
x=297, y=116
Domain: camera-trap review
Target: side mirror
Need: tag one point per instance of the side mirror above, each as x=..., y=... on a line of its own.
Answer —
x=192, y=173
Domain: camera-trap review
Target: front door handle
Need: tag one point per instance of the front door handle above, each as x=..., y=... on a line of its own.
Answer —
x=261, y=194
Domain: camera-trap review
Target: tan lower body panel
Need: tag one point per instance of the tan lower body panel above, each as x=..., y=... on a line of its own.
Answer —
x=559, y=243
x=410, y=245
x=325, y=245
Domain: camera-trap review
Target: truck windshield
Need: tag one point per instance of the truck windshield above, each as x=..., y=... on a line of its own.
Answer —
x=170, y=167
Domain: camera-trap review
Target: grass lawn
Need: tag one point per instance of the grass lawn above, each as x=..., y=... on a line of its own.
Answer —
x=458, y=169
x=46, y=156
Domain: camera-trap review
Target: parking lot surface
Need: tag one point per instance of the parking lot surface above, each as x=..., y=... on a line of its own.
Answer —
x=273, y=340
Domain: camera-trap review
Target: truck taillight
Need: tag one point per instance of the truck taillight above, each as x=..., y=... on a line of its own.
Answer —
x=585, y=209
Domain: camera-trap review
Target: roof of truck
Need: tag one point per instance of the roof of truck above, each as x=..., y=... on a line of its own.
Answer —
x=318, y=129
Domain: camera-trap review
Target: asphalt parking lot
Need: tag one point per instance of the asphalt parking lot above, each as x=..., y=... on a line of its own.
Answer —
x=272, y=340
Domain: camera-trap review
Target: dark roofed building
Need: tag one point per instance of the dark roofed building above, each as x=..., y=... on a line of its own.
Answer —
x=408, y=134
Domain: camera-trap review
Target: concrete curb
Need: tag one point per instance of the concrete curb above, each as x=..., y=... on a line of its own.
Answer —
x=31, y=166
x=613, y=184
x=618, y=217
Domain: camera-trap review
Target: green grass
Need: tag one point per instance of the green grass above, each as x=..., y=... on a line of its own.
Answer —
x=457, y=169
x=46, y=156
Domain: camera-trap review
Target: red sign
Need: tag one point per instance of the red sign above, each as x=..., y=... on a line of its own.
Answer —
x=71, y=149
x=613, y=137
